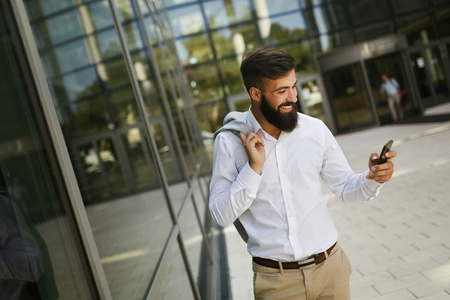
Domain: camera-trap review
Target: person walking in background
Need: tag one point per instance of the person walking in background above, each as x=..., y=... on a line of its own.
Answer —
x=267, y=166
x=390, y=91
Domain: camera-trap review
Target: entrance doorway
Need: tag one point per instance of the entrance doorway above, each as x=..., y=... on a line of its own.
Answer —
x=433, y=78
x=393, y=66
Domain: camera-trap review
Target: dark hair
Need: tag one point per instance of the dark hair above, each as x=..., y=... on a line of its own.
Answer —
x=265, y=63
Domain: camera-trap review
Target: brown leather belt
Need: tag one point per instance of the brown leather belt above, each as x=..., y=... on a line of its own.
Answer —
x=313, y=259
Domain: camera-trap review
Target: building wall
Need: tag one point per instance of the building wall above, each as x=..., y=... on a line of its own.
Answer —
x=102, y=155
x=212, y=35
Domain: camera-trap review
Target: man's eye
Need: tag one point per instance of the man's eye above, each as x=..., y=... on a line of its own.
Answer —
x=281, y=91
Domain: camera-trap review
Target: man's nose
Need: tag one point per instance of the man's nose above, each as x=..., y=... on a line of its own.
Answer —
x=292, y=96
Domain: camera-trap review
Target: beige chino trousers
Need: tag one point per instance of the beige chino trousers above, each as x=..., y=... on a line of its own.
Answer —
x=325, y=281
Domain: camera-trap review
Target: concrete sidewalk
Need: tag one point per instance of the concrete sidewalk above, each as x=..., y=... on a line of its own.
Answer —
x=399, y=243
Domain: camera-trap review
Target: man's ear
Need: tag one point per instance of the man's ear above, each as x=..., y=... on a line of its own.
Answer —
x=255, y=93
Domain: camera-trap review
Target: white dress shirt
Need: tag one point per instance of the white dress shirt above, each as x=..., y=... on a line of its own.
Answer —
x=283, y=210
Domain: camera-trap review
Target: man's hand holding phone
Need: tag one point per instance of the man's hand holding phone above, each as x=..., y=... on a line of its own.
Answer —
x=381, y=166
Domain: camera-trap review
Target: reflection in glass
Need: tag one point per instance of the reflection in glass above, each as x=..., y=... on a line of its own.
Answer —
x=312, y=96
x=194, y=49
x=173, y=271
x=326, y=18
x=328, y=42
x=224, y=13
x=61, y=27
x=99, y=15
x=71, y=56
x=443, y=22
x=287, y=28
x=303, y=55
x=420, y=72
x=373, y=31
x=401, y=6
x=275, y=7
x=186, y=20
x=75, y=85
x=130, y=233
x=139, y=159
x=235, y=40
x=348, y=94
x=364, y=11
x=231, y=76
x=437, y=73
x=417, y=28
x=30, y=187
x=204, y=83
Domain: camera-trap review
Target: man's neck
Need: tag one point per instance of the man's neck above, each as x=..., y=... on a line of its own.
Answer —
x=265, y=125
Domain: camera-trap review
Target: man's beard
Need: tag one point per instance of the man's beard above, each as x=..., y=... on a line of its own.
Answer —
x=283, y=121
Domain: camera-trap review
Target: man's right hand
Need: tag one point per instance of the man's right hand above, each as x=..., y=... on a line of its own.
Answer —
x=254, y=147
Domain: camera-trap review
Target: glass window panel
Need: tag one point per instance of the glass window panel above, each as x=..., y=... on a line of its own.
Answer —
x=75, y=85
x=116, y=73
x=166, y=150
x=63, y=27
x=286, y=28
x=264, y=8
x=438, y=77
x=90, y=115
x=173, y=274
x=108, y=43
x=443, y=22
x=32, y=214
x=46, y=7
x=100, y=15
x=210, y=116
x=124, y=107
x=303, y=55
x=347, y=92
x=71, y=56
x=142, y=222
x=224, y=13
x=307, y=3
x=328, y=42
x=310, y=92
x=139, y=159
x=133, y=36
x=326, y=18
x=417, y=28
x=232, y=75
x=125, y=10
x=364, y=11
x=169, y=3
x=235, y=40
x=192, y=236
x=401, y=6
x=194, y=49
x=204, y=82
x=373, y=31
x=417, y=61
x=186, y=20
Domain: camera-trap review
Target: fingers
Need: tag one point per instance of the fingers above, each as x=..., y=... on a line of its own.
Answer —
x=251, y=140
x=382, y=173
x=390, y=155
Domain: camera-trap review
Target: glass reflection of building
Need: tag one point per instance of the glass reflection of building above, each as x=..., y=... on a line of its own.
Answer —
x=109, y=106
x=313, y=31
x=103, y=150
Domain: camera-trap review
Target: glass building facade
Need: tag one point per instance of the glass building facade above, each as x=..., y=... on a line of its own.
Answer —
x=104, y=174
x=211, y=36
x=109, y=107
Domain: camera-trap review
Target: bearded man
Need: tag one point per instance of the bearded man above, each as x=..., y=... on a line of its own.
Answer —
x=267, y=179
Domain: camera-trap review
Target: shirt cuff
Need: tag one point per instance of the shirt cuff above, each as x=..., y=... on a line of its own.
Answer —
x=249, y=179
x=371, y=184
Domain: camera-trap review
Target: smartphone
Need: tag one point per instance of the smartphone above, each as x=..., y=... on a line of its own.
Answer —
x=386, y=148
